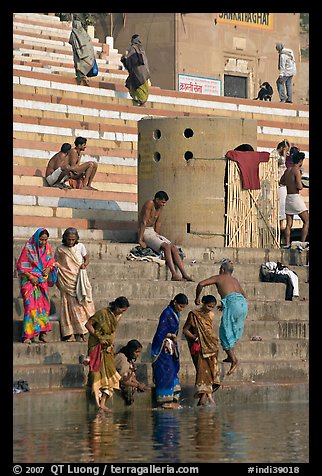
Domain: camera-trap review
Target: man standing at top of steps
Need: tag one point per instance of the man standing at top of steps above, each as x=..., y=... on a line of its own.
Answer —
x=148, y=235
x=234, y=309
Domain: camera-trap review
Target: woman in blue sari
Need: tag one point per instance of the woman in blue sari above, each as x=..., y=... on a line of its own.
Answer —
x=165, y=354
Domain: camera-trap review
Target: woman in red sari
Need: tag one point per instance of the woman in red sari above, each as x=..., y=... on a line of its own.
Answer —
x=37, y=271
x=203, y=345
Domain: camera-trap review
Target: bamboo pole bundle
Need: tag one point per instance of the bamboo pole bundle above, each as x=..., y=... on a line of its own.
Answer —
x=253, y=215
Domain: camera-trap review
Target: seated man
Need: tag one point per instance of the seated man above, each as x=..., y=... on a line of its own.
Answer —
x=81, y=174
x=148, y=235
x=57, y=171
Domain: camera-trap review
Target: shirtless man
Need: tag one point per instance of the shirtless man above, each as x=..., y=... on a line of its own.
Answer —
x=294, y=203
x=234, y=307
x=57, y=171
x=148, y=235
x=85, y=171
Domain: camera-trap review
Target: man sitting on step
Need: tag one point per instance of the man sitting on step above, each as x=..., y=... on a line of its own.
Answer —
x=58, y=168
x=65, y=165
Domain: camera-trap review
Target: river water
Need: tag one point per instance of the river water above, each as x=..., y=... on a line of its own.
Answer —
x=246, y=433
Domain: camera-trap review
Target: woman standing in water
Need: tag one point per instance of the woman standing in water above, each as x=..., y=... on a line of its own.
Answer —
x=165, y=354
x=204, y=346
x=103, y=376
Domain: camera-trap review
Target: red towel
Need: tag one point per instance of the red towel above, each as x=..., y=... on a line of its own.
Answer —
x=248, y=162
x=95, y=358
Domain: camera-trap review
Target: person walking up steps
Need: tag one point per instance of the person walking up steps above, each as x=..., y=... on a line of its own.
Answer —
x=136, y=63
x=234, y=309
x=83, y=52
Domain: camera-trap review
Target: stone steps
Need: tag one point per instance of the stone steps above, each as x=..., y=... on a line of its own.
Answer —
x=60, y=400
x=259, y=310
x=69, y=352
x=134, y=269
x=75, y=376
x=148, y=290
x=50, y=108
x=256, y=325
x=110, y=252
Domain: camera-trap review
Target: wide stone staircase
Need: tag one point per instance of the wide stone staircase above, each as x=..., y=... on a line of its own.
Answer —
x=49, y=108
x=279, y=361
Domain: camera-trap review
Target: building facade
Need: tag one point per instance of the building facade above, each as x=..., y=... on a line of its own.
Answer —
x=228, y=54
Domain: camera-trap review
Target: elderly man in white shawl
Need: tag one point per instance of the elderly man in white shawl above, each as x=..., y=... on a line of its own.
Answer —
x=287, y=69
x=136, y=63
x=83, y=51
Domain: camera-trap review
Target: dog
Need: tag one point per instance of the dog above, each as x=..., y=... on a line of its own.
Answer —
x=265, y=93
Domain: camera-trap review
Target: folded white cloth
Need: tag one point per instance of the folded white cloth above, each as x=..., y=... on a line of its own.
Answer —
x=83, y=287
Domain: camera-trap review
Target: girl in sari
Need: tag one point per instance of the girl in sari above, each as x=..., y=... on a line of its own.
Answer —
x=37, y=271
x=165, y=354
x=103, y=376
x=125, y=363
x=203, y=345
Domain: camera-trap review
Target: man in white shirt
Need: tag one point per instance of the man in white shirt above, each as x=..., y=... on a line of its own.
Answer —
x=287, y=69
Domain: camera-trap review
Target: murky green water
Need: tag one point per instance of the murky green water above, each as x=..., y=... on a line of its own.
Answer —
x=259, y=433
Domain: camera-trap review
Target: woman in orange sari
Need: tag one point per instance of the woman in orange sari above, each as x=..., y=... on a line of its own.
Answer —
x=203, y=345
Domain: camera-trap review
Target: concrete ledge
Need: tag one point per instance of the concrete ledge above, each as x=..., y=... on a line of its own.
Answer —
x=59, y=401
x=74, y=376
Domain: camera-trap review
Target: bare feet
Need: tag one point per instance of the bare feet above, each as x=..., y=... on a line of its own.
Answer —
x=104, y=408
x=188, y=278
x=42, y=338
x=70, y=338
x=88, y=187
x=170, y=405
x=202, y=400
x=211, y=400
x=232, y=368
x=27, y=341
x=176, y=277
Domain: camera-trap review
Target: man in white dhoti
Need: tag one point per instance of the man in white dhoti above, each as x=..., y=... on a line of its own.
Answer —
x=294, y=203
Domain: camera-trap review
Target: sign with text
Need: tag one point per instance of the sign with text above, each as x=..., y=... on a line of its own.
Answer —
x=199, y=85
x=254, y=20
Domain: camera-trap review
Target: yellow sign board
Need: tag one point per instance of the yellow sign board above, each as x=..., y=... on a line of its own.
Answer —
x=252, y=20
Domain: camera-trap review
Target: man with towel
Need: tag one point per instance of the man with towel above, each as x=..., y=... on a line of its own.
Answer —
x=294, y=203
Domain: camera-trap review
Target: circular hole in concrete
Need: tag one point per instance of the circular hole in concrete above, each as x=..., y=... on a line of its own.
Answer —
x=188, y=155
x=157, y=156
x=157, y=134
x=188, y=132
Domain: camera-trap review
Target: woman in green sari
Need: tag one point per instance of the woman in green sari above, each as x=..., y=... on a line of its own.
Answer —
x=136, y=63
x=103, y=375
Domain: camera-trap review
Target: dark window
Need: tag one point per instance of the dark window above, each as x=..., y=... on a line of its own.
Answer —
x=235, y=86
